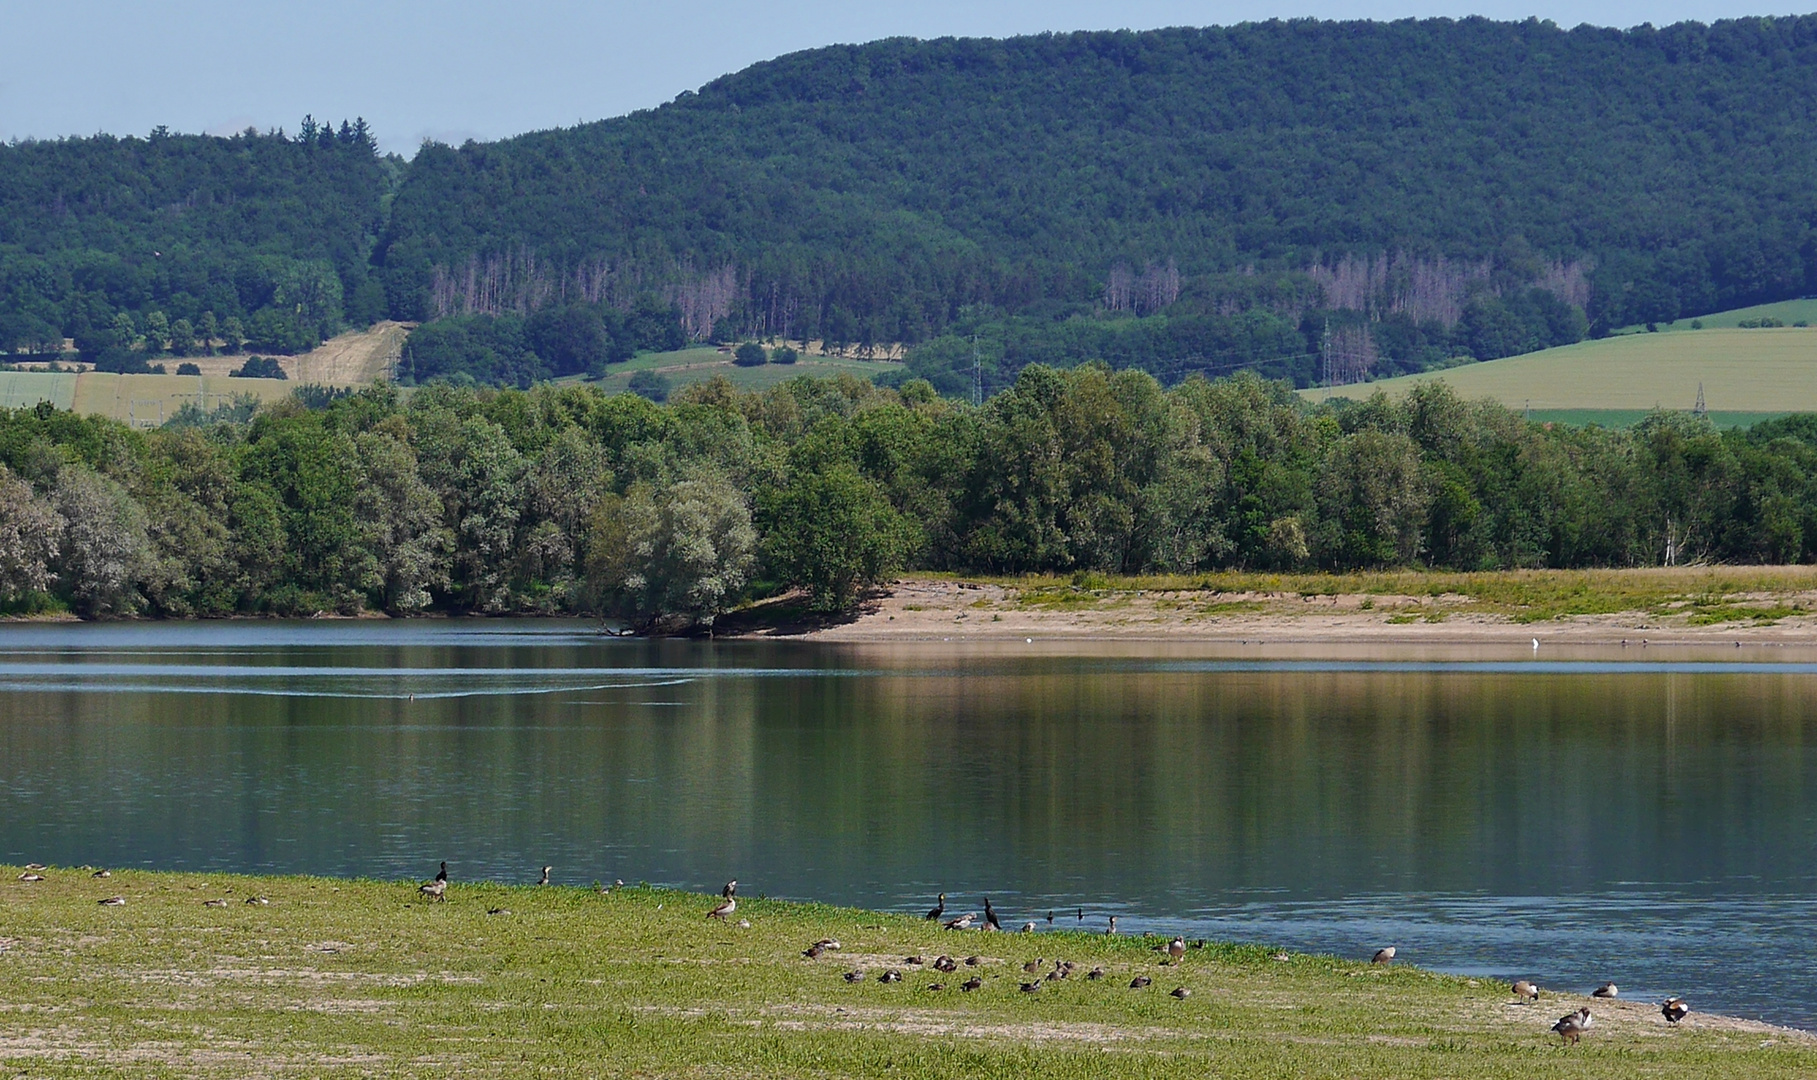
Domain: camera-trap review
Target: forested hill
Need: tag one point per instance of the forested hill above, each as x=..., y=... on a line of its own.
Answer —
x=871, y=192
x=268, y=233
x=1315, y=200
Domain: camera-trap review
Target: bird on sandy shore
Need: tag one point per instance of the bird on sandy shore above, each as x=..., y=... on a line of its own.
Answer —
x=1176, y=948
x=728, y=905
x=963, y=922
x=435, y=890
x=1674, y=1009
x=544, y=880
x=1525, y=991
x=1571, y=1026
x=1383, y=956
x=990, y=916
x=1606, y=990
x=938, y=910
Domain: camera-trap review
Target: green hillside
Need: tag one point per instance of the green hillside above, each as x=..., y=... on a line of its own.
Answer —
x=1750, y=373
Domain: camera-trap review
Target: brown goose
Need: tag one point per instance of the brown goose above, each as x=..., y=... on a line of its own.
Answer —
x=1674, y=1009
x=1570, y=1027
x=102, y=874
x=1139, y=982
x=214, y=903
x=963, y=922
x=1180, y=992
x=1034, y=965
x=435, y=890
x=1095, y=974
x=1606, y=990
x=946, y=964
x=113, y=901
x=1176, y=948
x=1525, y=991
x=890, y=976
x=1031, y=987
x=854, y=976
x=728, y=905
x=29, y=876
x=971, y=984
x=1383, y=956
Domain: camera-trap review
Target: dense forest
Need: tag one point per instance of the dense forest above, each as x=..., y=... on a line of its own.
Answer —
x=1318, y=201
x=568, y=500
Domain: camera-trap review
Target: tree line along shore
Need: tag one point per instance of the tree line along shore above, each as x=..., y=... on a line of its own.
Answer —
x=565, y=500
x=217, y=974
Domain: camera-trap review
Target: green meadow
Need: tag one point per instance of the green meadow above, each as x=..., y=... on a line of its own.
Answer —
x=328, y=978
x=684, y=367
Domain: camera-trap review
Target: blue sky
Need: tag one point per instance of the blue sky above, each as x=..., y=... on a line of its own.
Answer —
x=471, y=69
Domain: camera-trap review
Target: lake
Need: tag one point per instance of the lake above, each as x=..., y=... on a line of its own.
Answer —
x=1642, y=815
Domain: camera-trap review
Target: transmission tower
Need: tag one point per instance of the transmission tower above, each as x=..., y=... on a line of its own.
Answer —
x=977, y=374
x=1700, y=409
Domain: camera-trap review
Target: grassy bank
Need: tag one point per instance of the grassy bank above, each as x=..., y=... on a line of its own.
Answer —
x=1689, y=596
x=357, y=978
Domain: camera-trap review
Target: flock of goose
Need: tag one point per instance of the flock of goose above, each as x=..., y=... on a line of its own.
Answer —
x=1570, y=1027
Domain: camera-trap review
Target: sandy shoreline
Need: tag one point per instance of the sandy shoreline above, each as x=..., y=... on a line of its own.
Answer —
x=946, y=610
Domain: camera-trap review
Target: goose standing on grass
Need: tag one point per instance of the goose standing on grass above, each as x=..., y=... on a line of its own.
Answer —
x=1383, y=956
x=990, y=916
x=1674, y=1009
x=1176, y=948
x=1525, y=991
x=728, y=905
x=1571, y=1026
x=435, y=890
x=939, y=909
x=963, y=922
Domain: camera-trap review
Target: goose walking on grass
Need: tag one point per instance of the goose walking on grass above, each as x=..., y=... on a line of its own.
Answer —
x=963, y=922
x=1176, y=948
x=1525, y=991
x=1674, y=1009
x=728, y=905
x=939, y=909
x=435, y=890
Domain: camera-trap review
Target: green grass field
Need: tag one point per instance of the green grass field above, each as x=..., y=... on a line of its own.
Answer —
x=1771, y=372
x=1788, y=312
x=364, y=978
x=687, y=366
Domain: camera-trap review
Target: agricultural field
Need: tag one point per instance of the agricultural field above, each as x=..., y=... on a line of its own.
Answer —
x=352, y=359
x=687, y=366
x=1746, y=376
x=1789, y=312
x=214, y=975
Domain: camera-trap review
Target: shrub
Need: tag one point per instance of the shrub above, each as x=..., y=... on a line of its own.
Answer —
x=783, y=355
x=188, y=369
x=650, y=384
x=750, y=354
x=259, y=367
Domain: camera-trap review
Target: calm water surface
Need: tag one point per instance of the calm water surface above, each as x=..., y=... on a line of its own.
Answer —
x=1646, y=816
